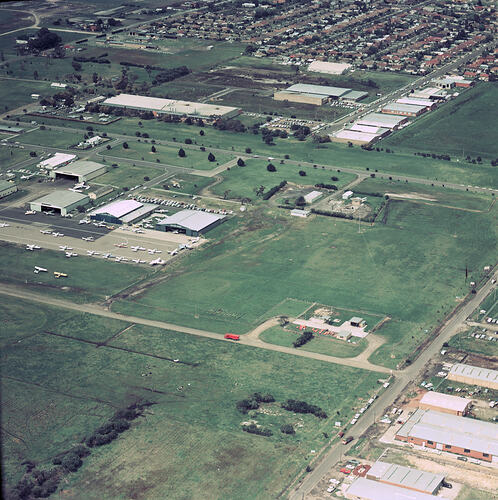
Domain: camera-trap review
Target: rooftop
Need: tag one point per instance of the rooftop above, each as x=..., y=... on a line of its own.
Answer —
x=194, y=220
x=406, y=476
x=57, y=159
x=476, y=372
x=5, y=185
x=463, y=432
x=80, y=167
x=61, y=198
x=354, y=95
x=374, y=490
x=118, y=208
x=405, y=108
x=445, y=401
x=355, y=135
x=381, y=120
x=328, y=67
x=418, y=102
x=318, y=89
x=369, y=129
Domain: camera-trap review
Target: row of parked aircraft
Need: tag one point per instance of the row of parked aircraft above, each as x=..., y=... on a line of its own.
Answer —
x=53, y=233
x=4, y=224
x=57, y=274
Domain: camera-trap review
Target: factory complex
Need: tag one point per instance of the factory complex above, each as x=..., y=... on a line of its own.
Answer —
x=160, y=106
x=190, y=222
x=474, y=375
x=317, y=94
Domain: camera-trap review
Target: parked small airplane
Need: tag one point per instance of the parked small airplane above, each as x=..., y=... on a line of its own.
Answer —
x=58, y=274
x=57, y=234
x=29, y=212
x=92, y=252
x=173, y=252
x=138, y=261
x=121, y=259
x=4, y=224
x=107, y=255
x=157, y=262
x=123, y=244
x=137, y=248
x=65, y=247
x=88, y=238
x=138, y=230
x=39, y=270
x=152, y=251
x=32, y=247
x=71, y=254
x=45, y=231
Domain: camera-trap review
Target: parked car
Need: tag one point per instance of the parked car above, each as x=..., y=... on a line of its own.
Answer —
x=347, y=440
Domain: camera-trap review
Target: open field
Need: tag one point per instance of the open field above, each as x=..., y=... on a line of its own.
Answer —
x=11, y=156
x=52, y=138
x=125, y=175
x=332, y=154
x=189, y=444
x=461, y=127
x=464, y=342
x=14, y=19
x=190, y=184
x=16, y=93
x=323, y=345
x=168, y=155
x=81, y=284
x=389, y=269
x=241, y=182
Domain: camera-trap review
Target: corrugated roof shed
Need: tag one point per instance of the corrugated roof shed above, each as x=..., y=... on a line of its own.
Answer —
x=476, y=372
x=80, y=167
x=374, y=490
x=318, y=89
x=331, y=68
x=406, y=477
x=118, y=208
x=417, y=102
x=369, y=129
x=354, y=95
x=381, y=120
x=56, y=160
x=61, y=198
x=403, y=108
x=355, y=135
x=442, y=400
x=194, y=220
x=467, y=433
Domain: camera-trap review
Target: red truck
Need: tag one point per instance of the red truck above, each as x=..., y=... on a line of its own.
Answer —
x=231, y=336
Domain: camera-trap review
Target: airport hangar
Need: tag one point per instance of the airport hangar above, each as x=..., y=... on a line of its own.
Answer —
x=7, y=188
x=61, y=202
x=79, y=171
x=122, y=212
x=160, y=106
x=190, y=222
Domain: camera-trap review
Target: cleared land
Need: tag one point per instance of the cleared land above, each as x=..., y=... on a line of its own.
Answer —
x=411, y=267
x=189, y=445
x=461, y=127
x=51, y=138
x=16, y=93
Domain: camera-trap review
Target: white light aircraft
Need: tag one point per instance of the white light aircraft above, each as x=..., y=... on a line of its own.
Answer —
x=92, y=252
x=138, y=261
x=71, y=254
x=4, y=224
x=152, y=251
x=32, y=247
x=121, y=259
x=137, y=248
x=29, y=212
x=65, y=247
x=157, y=262
x=88, y=238
x=45, y=231
x=39, y=270
x=57, y=234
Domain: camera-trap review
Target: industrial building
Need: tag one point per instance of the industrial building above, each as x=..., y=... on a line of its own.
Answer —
x=445, y=403
x=396, y=108
x=330, y=68
x=312, y=196
x=190, y=222
x=317, y=94
x=369, y=129
x=79, y=171
x=303, y=98
x=427, y=103
x=354, y=137
x=406, y=477
x=58, y=160
x=7, y=188
x=366, y=489
x=432, y=93
x=444, y=83
x=454, y=434
x=122, y=212
x=61, y=202
x=392, y=122
x=171, y=106
x=474, y=375
x=354, y=96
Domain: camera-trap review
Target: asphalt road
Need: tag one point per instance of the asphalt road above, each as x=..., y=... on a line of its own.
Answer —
x=402, y=378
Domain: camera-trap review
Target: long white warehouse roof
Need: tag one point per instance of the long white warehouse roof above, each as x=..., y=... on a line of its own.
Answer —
x=442, y=400
x=56, y=160
x=318, y=89
x=475, y=372
x=118, y=208
x=194, y=220
x=355, y=135
x=368, y=489
x=332, y=68
x=172, y=106
x=381, y=120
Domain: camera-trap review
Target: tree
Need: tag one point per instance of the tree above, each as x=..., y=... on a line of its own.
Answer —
x=301, y=201
x=302, y=173
x=146, y=178
x=240, y=162
x=125, y=145
x=72, y=462
x=80, y=208
x=108, y=147
x=271, y=168
x=153, y=149
x=248, y=151
x=211, y=157
x=287, y=429
x=201, y=132
x=181, y=153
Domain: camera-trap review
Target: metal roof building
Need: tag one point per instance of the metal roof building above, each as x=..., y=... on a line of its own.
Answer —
x=369, y=129
x=445, y=403
x=366, y=489
x=406, y=477
x=7, y=188
x=61, y=202
x=304, y=88
x=80, y=171
x=171, y=106
x=396, y=108
x=354, y=95
x=331, y=68
x=354, y=137
x=122, y=211
x=417, y=102
x=474, y=375
x=382, y=120
x=451, y=433
x=58, y=160
x=190, y=222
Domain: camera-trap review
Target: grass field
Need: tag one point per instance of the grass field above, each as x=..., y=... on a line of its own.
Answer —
x=11, y=156
x=16, y=93
x=189, y=445
x=14, y=19
x=332, y=154
x=127, y=176
x=323, y=345
x=191, y=184
x=168, y=155
x=464, y=126
x=411, y=268
x=52, y=138
x=464, y=342
x=80, y=285
x=240, y=182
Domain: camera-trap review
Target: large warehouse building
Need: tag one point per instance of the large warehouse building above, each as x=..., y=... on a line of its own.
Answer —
x=122, y=212
x=445, y=403
x=79, y=171
x=317, y=94
x=330, y=68
x=190, y=222
x=7, y=188
x=354, y=137
x=58, y=160
x=460, y=435
x=392, y=122
x=61, y=202
x=396, y=108
x=366, y=489
x=474, y=375
x=406, y=477
x=171, y=106
x=427, y=103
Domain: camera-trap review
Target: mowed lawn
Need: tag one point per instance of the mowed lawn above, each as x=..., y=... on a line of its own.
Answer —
x=51, y=138
x=411, y=268
x=169, y=155
x=88, y=279
x=16, y=93
x=461, y=127
x=189, y=444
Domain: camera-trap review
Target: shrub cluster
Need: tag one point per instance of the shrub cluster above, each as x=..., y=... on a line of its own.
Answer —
x=303, y=339
x=253, y=402
x=332, y=187
x=254, y=429
x=303, y=407
x=273, y=190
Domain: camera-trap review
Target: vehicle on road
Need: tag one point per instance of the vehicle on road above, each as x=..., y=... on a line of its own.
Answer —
x=347, y=440
x=231, y=336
